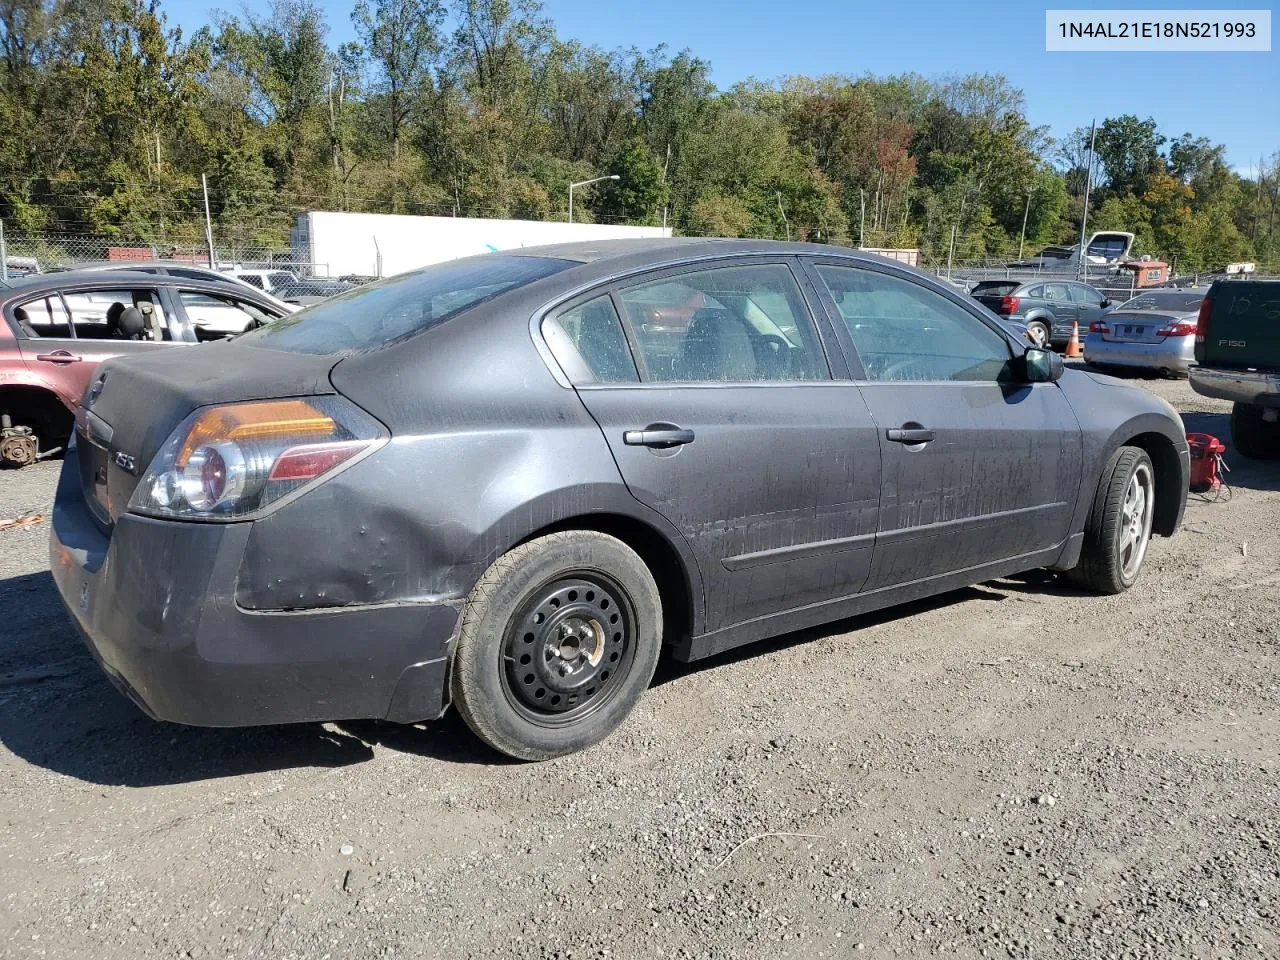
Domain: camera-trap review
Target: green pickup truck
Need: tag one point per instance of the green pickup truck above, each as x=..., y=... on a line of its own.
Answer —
x=1238, y=359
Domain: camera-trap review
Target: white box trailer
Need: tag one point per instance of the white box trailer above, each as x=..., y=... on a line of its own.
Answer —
x=381, y=244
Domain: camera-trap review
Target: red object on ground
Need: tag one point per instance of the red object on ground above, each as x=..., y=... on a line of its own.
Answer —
x=1206, y=454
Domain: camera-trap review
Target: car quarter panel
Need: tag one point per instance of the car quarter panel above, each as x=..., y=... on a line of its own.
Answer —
x=487, y=450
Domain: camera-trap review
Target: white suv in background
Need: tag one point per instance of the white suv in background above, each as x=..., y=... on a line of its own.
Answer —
x=266, y=280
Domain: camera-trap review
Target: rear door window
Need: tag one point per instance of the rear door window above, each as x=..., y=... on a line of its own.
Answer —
x=44, y=317
x=1057, y=292
x=724, y=324
x=94, y=313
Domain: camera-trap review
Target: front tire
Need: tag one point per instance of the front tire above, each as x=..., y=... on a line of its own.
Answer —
x=1118, y=529
x=1252, y=436
x=559, y=639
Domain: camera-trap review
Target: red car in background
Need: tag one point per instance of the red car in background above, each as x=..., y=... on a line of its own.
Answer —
x=55, y=330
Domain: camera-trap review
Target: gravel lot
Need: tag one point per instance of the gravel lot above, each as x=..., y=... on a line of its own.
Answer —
x=1015, y=769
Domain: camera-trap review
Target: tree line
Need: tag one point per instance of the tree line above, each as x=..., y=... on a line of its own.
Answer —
x=109, y=116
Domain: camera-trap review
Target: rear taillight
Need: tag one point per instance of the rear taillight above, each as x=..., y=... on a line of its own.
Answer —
x=1008, y=304
x=1099, y=326
x=230, y=461
x=1181, y=329
x=1202, y=319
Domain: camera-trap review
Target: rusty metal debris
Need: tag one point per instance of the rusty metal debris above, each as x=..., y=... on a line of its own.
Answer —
x=21, y=522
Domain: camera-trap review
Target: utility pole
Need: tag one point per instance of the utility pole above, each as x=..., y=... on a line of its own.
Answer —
x=1081, y=271
x=208, y=222
x=785, y=222
x=1025, y=213
x=862, y=217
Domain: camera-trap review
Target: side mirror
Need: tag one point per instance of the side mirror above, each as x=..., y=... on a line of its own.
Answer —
x=1106, y=302
x=1041, y=366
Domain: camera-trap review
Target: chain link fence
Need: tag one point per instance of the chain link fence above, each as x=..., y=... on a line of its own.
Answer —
x=24, y=254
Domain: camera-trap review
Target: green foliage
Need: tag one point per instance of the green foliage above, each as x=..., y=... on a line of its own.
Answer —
x=479, y=108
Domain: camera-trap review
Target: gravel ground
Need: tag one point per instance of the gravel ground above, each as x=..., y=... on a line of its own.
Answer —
x=1015, y=769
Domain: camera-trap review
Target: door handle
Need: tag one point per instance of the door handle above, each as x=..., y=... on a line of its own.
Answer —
x=59, y=356
x=909, y=435
x=659, y=435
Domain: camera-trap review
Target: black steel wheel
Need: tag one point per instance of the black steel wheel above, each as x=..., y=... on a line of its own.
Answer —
x=567, y=648
x=558, y=641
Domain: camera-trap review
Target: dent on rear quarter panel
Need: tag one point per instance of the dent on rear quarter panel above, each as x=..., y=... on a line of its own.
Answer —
x=486, y=449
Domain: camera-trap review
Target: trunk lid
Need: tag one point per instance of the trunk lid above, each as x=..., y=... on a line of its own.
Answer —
x=1243, y=326
x=1140, y=326
x=133, y=405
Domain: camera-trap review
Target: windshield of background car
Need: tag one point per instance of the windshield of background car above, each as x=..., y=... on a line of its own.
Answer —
x=1165, y=302
x=369, y=317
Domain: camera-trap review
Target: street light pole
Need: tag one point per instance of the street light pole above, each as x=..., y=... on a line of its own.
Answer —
x=583, y=183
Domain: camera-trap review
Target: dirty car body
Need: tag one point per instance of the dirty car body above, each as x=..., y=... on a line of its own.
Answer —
x=784, y=457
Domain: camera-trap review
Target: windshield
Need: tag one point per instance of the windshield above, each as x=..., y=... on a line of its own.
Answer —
x=369, y=317
x=1172, y=302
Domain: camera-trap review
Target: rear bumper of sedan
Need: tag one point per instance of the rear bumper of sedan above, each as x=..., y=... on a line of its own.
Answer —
x=155, y=603
x=1173, y=354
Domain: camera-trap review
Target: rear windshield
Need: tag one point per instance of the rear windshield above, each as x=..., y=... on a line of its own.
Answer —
x=368, y=317
x=996, y=288
x=1171, y=302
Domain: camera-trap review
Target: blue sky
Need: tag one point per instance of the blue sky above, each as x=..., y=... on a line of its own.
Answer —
x=1232, y=98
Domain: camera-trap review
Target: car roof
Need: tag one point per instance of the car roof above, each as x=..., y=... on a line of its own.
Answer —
x=112, y=278
x=607, y=259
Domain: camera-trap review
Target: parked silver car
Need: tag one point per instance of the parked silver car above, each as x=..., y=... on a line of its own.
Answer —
x=1156, y=330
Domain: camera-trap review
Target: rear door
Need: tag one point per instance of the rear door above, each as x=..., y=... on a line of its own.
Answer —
x=66, y=334
x=976, y=470
x=728, y=422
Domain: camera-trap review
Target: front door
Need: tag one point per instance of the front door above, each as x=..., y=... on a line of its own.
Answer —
x=1058, y=298
x=976, y=470
x=729, y=424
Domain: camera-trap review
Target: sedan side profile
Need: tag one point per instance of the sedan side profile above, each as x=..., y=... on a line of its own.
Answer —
x=501, y=483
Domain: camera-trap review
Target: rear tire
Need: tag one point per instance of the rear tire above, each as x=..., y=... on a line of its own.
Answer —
x=1038, y=333
x=1252, y=436
x=559, y=640
x=1118, y=529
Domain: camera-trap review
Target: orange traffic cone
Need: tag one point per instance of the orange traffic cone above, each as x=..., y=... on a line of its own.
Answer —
x=1073, y=345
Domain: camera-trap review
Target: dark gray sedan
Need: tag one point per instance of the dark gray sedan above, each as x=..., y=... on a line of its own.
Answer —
x=509, y=481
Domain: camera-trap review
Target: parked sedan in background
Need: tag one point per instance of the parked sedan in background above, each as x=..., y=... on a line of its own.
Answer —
x=1156, y=330
x=55, y=329
x=1047, y=308
x=173, y=268
x=495, y=482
